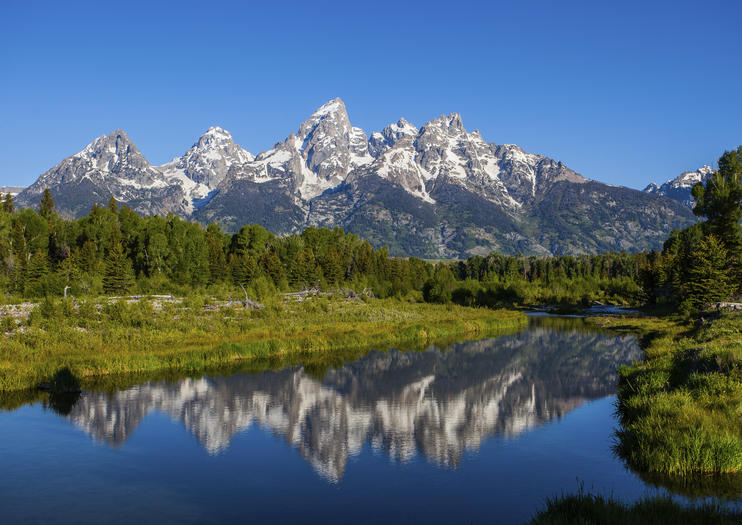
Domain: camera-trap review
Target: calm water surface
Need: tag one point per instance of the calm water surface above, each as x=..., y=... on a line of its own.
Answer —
x=478, y=432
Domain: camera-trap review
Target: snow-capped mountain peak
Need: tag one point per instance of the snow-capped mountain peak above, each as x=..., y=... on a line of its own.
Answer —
x=110, y=166
x=390, y=135
x=437, y=190
x=206, y=162
x=111, y=152
x=318, y=157
x=680, y=187
x=689, y=179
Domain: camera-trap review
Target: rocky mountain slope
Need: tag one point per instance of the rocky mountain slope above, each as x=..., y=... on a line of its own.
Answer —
x=13, y=190
x=680, y=187
x=434, y=191
x=112, y=166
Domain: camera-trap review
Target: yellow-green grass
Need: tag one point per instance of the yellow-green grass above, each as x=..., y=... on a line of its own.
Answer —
x=680, y=408
x=134, y=339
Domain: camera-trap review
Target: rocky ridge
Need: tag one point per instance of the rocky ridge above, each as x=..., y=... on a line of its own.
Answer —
x=434, y=191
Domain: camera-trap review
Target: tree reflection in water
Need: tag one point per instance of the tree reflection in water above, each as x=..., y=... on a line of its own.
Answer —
x=438, y=403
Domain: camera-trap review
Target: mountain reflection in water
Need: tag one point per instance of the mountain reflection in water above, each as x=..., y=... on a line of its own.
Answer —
x=437, y=402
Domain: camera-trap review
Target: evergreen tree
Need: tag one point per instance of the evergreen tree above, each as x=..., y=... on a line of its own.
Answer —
x=46, y=206
x=271, y=266
x=332, y=267
x=8, y=204
x=119, y=276
x=19, y=257
x=58, y=249
x=708, y=276
x=18, y=241
x=88, y=257
x=69, y=271
x=244, y=268
x=38, y=268
x=304, y=270
x=364, y=258
x=113, y=206
x=215, y=254
x=720, y=201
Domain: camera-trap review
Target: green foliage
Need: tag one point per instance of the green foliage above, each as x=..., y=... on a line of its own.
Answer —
x=215, y=253
x=720, y=202
x=112, y=250
x=7, y=324
x=38, y=268
x=8, y=204
x=244, y=268
x=708, y=274
x=703, y=263
x=130, y=336
x=439, y=288
x=597, y=509
x=304, y=271
x=679, y=407
x=118, y=277
x=46, y=206
x=50, y=309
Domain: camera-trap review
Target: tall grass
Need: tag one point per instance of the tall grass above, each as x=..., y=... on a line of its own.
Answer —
x=584, y=509
x=680, y=408
x=117, y=338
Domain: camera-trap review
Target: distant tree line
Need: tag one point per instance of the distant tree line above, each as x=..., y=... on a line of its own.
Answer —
x=115, y=251
x=699, y=265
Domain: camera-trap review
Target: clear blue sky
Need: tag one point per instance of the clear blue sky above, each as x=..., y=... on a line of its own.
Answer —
x=623, y=92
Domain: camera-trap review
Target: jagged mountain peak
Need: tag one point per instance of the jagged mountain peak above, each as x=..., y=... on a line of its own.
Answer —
x=398, y=130
x=115, y=141
x=437, y=190
x=216, y=134
x=379, y=142
x=111, y=152
x=206, y=163
x=110, y=166
x=336, y=105
x=330, y=115
x=221, y=142
x=451, y=122
x=651, y=188
x=680, y=187
x=317, y=157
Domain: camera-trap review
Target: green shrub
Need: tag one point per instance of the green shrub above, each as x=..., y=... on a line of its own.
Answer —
x=7, y=323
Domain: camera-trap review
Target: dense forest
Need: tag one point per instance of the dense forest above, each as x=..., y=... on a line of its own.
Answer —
x=115, y=251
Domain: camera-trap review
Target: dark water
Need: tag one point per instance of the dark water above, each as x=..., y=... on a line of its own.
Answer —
x=479, y=432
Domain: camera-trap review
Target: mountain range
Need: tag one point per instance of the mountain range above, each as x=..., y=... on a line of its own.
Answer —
x=437, y=191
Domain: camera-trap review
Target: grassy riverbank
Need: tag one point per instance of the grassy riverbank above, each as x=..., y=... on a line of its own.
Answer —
x=681, y=407
x=103, y=337
x=595, y=509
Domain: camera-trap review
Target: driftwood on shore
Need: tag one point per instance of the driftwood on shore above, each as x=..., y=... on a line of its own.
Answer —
x=21, y=311
x=734, y=307
x=316, y=292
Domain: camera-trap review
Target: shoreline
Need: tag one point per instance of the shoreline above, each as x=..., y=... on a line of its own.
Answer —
x=679, y=406
x=125, y=339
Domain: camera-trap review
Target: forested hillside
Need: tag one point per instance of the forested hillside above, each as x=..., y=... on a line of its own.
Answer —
x=114, y=250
